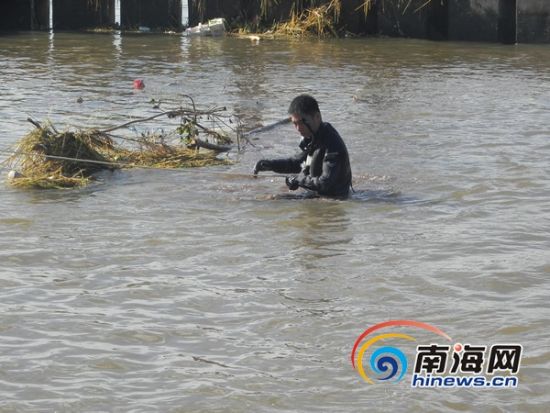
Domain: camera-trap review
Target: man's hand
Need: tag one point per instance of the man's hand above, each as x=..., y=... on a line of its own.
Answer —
x=292, y=183
x=262, y=165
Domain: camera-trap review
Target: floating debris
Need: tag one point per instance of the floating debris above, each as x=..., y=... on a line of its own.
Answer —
x=46, y=158
x=214, y=27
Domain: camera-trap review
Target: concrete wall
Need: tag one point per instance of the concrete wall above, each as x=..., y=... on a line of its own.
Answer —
x=354, y=20
x=15, y=15
x=533, y=21
x=506, y=21
x=155, y=14
x=82, y=14
x=393, y=22
x=41, y=18
x=24, y=14
x=462, y=20
x=473, y=20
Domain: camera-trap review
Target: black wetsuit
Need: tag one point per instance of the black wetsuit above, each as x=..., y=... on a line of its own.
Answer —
x=322, y=164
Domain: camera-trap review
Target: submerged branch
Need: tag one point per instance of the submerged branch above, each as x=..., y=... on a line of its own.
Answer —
x=199, y=143
x=169, y=114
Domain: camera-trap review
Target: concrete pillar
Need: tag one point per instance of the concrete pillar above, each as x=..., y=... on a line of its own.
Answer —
x=196, y=13
x=437, y=23
x=40, y=14
x=24, y=14
x=507, y=21
x=83, y=14
x=155, y=14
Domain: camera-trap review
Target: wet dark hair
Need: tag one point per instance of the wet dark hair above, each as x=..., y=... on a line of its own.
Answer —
x=303, y=105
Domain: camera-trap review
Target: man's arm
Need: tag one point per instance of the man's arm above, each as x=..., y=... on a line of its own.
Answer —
x=292, y=165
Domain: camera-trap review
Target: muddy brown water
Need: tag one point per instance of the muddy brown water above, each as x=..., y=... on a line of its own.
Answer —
x=191, y=291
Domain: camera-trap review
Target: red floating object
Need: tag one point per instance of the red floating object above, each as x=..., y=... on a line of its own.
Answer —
x=138, y=84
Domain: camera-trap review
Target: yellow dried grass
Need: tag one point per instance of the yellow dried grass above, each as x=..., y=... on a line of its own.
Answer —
x=48, y=159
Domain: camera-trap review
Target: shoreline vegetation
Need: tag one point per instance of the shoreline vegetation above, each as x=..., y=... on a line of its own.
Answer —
x=302, y=18
x=321, y=21
x=316, y=18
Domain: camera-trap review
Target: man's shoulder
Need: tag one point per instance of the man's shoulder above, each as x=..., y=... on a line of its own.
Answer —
x=328, y=131
x=330, y=136
x=327, y=126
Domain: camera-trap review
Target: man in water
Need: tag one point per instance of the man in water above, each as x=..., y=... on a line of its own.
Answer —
x=323, y=163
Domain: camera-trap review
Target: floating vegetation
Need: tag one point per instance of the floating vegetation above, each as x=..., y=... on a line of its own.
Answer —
x=36, y=169
x=46, y=158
